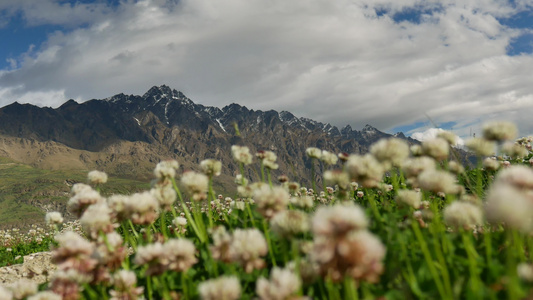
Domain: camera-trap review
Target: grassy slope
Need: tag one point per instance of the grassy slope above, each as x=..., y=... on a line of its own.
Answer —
x=26, y=193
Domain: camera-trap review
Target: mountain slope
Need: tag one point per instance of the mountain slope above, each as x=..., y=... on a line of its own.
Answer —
x=128, y=134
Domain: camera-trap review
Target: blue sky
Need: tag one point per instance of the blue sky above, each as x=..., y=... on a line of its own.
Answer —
x=399, y=65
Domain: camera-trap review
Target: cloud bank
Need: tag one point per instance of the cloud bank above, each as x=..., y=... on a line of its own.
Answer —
x=387, y=63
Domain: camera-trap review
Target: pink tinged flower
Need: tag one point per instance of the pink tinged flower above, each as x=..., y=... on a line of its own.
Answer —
x=74, y=252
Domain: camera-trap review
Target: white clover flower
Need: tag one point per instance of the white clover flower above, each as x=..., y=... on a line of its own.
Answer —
x=195, y=184
x=481, y=147
x=450, y=137
x=525, y=271
x=337, y=177
x=154, y=256
x=438, y=181
x=96, y=219
x=290, y=222
x=365, y=169
x=499, y=131
x=179, y=221
x=518, y=176
x=180, y=254
x=338, y=219
x=409, y=198
x=97, y=177
x=490, y=163
x=282, y=284
x=506, y=204
x=241, y=154
x=456, y=167
x=124, y=282
x=514, y=150
x=313, y=152
x=416, y=150
x=77, y=204
x=211, y=167
x=247, y=247
x=328, y=158
x=270, y=201
x=390, y=152
x=53, y=218
x=166, y=169
x=221, y=288
x=269, y=164
x=303, y=201
x=165, y=195
x=142, y=208
x=436, y=148
x=461, y=214
x=79, y=188
x=239, y=179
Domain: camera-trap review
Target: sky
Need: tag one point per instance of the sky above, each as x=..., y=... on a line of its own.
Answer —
x=398, y=65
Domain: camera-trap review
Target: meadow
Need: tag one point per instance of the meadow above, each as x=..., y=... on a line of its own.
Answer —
x=402, y=222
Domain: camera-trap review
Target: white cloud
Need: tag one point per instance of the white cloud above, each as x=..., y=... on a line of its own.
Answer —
x=334, y=61
x=432, y=133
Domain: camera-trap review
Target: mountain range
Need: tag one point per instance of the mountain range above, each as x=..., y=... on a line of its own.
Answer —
x=126, y=135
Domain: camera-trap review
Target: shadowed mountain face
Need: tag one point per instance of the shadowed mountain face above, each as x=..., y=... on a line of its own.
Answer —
x=164, y=123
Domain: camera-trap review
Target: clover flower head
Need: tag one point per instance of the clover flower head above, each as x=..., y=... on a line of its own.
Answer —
x=289, y=223
x=221, y=288
x=480, y=146
x=270, y=201
x=499, y=131
x=313, y=152
x=241, y=154
x=195, y=184
x=166, y=169
x=247, y=247
x=282, y=284
x=390, y=152
x=461, y=214
x=409, y=198
x=328, y=158
x=365, y=169
x=97, y=177
x=338, y=219
x=437, y=148
x=211, y=167
x=53, y=218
